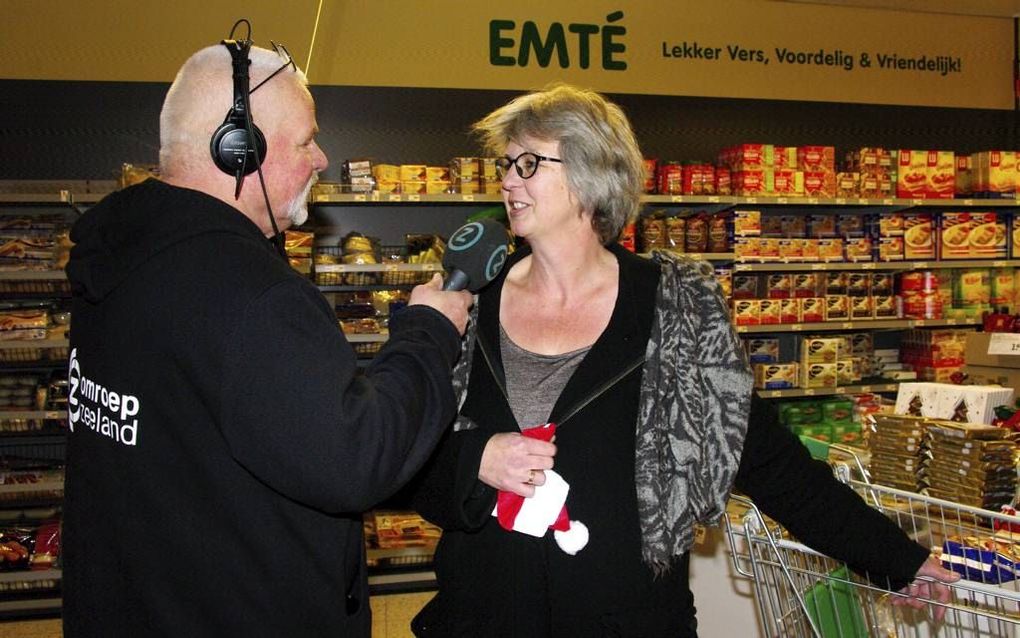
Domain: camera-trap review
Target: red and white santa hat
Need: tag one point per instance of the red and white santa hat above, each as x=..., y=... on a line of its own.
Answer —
x=546, y=509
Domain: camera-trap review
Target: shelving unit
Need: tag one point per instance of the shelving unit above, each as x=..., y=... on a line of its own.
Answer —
x=34, y=433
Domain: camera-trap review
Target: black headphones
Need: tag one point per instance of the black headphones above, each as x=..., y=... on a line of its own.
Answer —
x=234, y=144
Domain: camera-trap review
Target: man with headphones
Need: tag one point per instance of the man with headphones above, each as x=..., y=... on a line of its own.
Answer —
x=223, y=440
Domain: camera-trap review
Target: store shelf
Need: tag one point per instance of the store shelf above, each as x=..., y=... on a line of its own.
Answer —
x=412, y=198
x=14, y=344
x=864, y=324
x=381, y=268
x=700, y=256
x=27, y=576
x=818, y=392
x=783, y=266
x=46, y=199
x=471, y=198
x=366, y=338
x=8, y=415
x=32, y=275
x=31, y=488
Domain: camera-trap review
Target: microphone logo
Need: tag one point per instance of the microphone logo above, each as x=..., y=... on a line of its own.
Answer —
x=495, y=263
x=466, y=237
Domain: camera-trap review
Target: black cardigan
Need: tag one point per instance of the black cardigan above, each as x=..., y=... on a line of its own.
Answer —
x=495, y=583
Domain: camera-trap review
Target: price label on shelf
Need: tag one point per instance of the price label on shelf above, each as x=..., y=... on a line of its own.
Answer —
x=864, y=201
x=782, y=200
x=796, y=327
x=917, y=202
x=968, y=202
x=677, y=199
x=1005, y=343
x=887, y=202
x=467, y=198
x=840, y=390
x=814, y=200
x=750, y=200
x=847, y=325
x=839, y=200
x=414, y=197
x=868, y=266
x=394, y=198
x=713, y=199
x=360, y=197
x=810, y=392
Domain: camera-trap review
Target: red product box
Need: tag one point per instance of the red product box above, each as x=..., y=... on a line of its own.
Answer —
x=748, y=183
x=812, y=309
x=912, y=176
x=816, y=158
x=819, y=183
x=786, y=157
x=744, y=157
x=789, y=311
x=941, y=175
x=768, y=311
x=746, y=312
x=788, y=182
x=723, y=186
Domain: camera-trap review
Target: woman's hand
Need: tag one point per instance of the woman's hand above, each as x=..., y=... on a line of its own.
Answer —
x=515, y=463
x=921, y=591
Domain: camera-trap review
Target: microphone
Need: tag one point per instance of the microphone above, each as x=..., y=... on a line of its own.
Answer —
x=475, y=254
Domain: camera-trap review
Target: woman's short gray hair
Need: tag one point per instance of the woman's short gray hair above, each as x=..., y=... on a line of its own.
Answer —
x=601, y=158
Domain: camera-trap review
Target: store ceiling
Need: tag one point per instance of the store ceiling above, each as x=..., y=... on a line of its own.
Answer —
x=993, y=8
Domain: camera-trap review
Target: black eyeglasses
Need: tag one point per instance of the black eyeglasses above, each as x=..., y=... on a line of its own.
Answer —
x=281, y=51
x=526, y=164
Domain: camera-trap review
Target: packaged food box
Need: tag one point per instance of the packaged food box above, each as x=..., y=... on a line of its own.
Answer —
x=768, y=311
x=890, y=224
x=971, y=403
x=747, y=223
x=779, y=286
x=791, y=250
x=805, y=284
x=745, y=286
x=912, y=174
x=836, y=282
x=858, y=249
x=748, y=183
x=860, y=308
x=819, y=184
x=837, y=308
x=941, y=175
x=880, y=283
x=995, y=174
x=818, y=375
x=918, y=236
x=816, y=158
x=962, y=185
x=812, y=309
x=819, y=349
x=849, y=185
x=972, y=235
x=809, y=249
x=413, y=172
x=918, y=399
x=789, y=311
x=746, y=248
x=821, y=226
x=858, y=284
x=890, y=249
x=830, y=249
x=762, y=350
x=775, y=376
x=746, y=312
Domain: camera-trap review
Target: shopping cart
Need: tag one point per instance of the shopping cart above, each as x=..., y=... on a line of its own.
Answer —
x=800, y=592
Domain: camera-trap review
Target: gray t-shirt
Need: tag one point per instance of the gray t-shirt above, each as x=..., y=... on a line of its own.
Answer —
x=535, y=381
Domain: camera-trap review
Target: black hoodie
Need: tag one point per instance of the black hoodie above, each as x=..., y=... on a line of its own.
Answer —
x=223, y=439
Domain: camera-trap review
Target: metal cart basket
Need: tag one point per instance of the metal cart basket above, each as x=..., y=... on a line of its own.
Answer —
x=800, y=592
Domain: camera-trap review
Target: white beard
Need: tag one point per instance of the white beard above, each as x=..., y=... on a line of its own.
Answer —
x=297, y=208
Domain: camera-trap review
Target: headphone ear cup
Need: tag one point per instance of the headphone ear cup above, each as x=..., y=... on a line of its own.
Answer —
x=229, y=145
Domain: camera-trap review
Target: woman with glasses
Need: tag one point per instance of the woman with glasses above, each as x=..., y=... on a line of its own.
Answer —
x=636, y=363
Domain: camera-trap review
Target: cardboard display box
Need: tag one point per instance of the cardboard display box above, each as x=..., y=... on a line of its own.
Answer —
x=976, y=353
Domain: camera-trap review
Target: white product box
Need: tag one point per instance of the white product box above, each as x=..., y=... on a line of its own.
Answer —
x=918, y=399
x=972, y=403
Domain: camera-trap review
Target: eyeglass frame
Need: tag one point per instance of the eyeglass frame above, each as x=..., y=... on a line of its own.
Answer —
x=278, y=48
x=520, y=171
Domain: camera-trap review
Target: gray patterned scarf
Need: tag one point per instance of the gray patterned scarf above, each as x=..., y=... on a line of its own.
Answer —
x=694, y=404
x=695, y=400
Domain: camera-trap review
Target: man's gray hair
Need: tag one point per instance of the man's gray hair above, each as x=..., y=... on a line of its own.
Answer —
x=603, y=163
x=198, y=101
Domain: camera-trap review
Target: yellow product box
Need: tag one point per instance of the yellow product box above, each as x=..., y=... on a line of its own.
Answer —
x=812, y=309
x=830, y=249
x=880, y=283
x=387, y=186
x=963, y=185
x=821, y=226
x=890, y=249
x=785, y=156
x=849, y=185
x=491, y=186
x=820, y=349
x=918, y=236
x=433, y=187
x=791, y=249
x=973, y=235
x=779, y=286
x=837, y=308
x=437, y=173
x=941, y=182
x=464, y=169
x=818, y=375
x=858, y=249
x=413, y=187
x=860, y=308
x=890, y=224
x=775, y=376
x=996, y=173
x=745, y=286
x=858, y=284
x=1003, y=288
x=809, y=249
x=862, y=344
x=1015, y=235
x=789, y=310
x=845, y=371
x=805, y=284
x=768, y=311
x=769, y=250
x=487, y=169
x=412, y=172
x=746, y=312
x=467, y=187
x=746, y=248
x=912, y=174
x=386, y=173
x=747, y=223
x=836, y=282
x=762, y=349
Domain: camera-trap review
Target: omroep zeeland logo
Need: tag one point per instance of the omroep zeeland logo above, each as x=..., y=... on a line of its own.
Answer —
x=100, y=409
